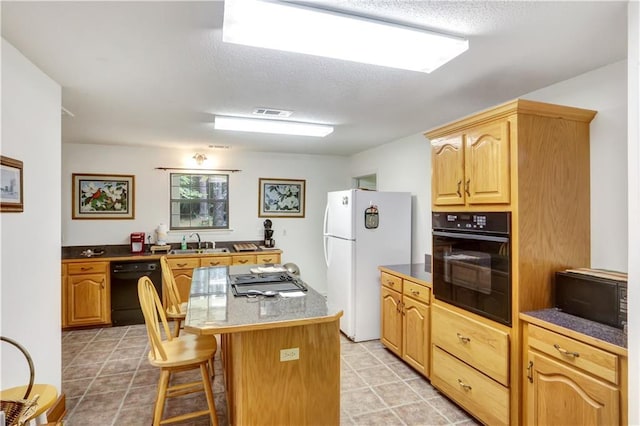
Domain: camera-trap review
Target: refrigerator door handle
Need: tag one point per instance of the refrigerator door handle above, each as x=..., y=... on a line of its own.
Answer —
x=324, y=233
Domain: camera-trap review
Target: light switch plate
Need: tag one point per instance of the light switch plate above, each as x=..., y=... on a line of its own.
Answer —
x=289, y=354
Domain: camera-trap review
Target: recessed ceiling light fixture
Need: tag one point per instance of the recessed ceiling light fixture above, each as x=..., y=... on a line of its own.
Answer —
x=281, y=127
x=301, y=29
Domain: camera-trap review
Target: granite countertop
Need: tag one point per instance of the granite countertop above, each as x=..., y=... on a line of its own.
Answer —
x=212, y=304
x=124, y=250
x=413, y=270
x=583, y=326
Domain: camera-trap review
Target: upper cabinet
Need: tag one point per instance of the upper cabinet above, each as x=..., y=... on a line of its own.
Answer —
x=472, y=167
x=478, y=162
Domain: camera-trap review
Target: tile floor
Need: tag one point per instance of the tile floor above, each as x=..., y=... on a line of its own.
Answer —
x=108, y=381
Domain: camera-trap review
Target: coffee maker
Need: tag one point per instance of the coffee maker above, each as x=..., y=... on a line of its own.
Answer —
x=268, y=234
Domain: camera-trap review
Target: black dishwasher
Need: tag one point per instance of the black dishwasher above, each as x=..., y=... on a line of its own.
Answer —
x=125, y=305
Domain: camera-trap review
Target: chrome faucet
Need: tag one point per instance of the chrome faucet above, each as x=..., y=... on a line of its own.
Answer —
x=199, y=242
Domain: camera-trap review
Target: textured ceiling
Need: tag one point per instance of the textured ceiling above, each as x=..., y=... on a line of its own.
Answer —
x=155, y=73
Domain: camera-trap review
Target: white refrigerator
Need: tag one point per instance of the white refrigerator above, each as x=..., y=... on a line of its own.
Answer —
x=363, y=230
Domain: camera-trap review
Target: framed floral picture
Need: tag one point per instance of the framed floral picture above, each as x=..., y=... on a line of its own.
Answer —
x=281, y=198
x=98, y=196
x=11, y=194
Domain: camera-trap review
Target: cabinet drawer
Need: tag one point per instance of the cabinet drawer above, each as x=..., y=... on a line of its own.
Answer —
x=416, y=291
x=268, y=258
x=88, y=268
x=244, y=259
x=391, y=281
x=184, y=263
x=593, y=360
x=483, y=397
x=478, y=344
x=215, y=261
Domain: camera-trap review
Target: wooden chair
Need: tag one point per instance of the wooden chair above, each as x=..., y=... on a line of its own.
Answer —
x=173, y=354
x=176, y=309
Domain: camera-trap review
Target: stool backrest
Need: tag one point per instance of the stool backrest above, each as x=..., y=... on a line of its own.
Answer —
x=173, y=294
x=153, y=316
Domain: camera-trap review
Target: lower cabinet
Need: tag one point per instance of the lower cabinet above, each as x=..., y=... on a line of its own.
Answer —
x=86, y=297
x=571, y=382
x=405, y=323
x=471, y=364
x=215, y=261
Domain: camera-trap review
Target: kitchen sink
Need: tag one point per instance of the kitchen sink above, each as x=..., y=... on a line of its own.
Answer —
x=200, y=251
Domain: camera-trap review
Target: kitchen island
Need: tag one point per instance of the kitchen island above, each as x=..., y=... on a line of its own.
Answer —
x=281, y=355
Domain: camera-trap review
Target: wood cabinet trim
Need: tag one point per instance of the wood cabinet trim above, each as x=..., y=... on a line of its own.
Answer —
x=517, y=106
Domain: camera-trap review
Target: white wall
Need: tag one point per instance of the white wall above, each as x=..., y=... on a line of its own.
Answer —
x=30, y=249
x=299, y=238
x=634, y=212
x=603, y=90
x=404, y=165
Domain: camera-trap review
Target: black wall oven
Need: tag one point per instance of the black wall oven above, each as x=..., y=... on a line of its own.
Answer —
x=471, y=262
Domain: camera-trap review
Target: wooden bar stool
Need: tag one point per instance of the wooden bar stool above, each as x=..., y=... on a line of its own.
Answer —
x=173, y=354
x=176, y=309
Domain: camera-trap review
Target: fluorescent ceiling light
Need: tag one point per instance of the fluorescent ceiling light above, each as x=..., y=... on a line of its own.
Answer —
x=295, y=28
x=280, y=127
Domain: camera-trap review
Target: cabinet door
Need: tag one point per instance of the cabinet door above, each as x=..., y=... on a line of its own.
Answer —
x=183, y=282
x=447, y=171
x=391, y=324
x=415, y=339
x=561, y=395
x=87, y=299
x=487, y=164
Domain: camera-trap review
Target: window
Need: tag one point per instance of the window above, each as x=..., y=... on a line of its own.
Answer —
x=199, y=201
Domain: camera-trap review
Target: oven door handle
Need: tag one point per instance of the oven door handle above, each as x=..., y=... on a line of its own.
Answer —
x=471, y=236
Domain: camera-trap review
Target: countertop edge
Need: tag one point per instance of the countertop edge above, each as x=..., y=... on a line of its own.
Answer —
x=537, y=318
x=207, y=329
x=409, y=271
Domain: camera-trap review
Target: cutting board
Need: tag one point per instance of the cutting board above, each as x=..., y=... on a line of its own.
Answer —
x=245, y=247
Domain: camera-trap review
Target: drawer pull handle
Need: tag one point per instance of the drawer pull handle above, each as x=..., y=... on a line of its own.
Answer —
x=391, y=283
x=182, y=265
x=102, y=283
x=466, y=188
x=415, y=292
x=463, y=385
x=267, y=260
x=529, y=375
x=214, y=263
x=86, y=268
x=566, y=352
x=242, y=261
x=463, y=339
x=458, y=190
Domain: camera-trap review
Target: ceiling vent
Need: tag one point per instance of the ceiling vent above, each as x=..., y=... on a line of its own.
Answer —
x=271, y=112
x=220, y=146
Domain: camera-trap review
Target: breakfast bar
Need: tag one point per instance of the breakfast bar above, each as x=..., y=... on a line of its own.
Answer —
x=280, y=354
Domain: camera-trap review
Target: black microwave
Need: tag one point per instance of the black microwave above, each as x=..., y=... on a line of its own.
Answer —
x=596, y=298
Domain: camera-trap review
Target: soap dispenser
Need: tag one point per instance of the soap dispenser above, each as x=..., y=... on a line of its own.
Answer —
x=183, y=246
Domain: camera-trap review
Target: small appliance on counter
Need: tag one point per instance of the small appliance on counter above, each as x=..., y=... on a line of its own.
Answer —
x=137, y=242
x=595, y=294
x=268, y=234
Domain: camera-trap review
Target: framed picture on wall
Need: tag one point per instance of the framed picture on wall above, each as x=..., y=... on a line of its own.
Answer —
x=11, y=193
x=281, y=197
x=97, y=196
